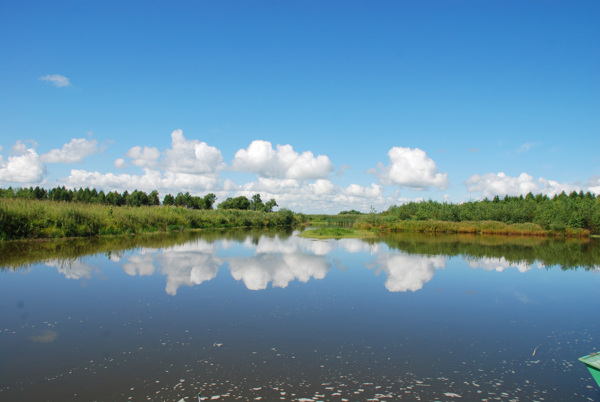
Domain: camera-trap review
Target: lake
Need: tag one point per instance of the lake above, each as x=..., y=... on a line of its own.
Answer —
x=266, y=315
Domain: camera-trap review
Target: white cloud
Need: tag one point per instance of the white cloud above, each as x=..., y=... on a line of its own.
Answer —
x=552, y=188
x=322, y=186
x=190, y=165
x=21, y=147
x=150, y=180
x=120, y=163
x=57, y=80
x=191, y=156
x=283, y=162
x=23, y=168
x=594, y=185
x=322, y=196
x=110, y=181
x=491, y=184
x=411, y=168
x=144, y=157
x=354, y=190
x=75, y=151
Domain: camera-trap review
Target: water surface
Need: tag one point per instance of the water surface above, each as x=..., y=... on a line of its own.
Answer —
x=268, y=315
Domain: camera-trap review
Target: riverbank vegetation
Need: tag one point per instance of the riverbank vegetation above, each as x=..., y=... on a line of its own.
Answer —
x=27, y=213
x=494, y=251
x=337, y=233
x=31, y=218
x=574, y=215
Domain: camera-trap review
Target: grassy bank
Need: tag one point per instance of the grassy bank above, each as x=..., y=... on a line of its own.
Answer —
x=383, y=224
x=368, y=225
x=338, y=233
x=32, y=219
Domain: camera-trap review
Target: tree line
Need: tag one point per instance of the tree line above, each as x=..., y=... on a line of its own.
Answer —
x=137, y=198
x=563, y=211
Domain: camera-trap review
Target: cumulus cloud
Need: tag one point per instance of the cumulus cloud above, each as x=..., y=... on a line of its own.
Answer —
x=319, y=196
x=492, y=184
x=120, y=163
x=21, y=148
x=410, y=168
x=354, y=190
x=594, y=185
x=150, y=180
x=144, y=157
x=191, y=156
x=552, y=188
x=282, y=162
x=56, y=80
x=26, y=167
x=190, y=165
x=75, y=151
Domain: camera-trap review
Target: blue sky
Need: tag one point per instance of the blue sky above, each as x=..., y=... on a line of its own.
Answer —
x=322, y=105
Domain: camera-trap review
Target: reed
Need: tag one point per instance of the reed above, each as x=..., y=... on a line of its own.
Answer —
x=385, y=224
x=31, y=219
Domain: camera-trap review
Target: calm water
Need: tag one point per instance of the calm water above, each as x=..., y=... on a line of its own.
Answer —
x=267, y=315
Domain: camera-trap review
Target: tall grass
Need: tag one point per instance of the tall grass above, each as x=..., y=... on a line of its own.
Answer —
x=30, y=219
x=387, y=223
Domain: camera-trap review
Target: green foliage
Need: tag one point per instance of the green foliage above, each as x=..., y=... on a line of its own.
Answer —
x=336, y=233
x=91, y=196
x=351, y=212
x=30, y=218
x=567, y=253
x=240, y=202
x=269, y=205
x=574, y=214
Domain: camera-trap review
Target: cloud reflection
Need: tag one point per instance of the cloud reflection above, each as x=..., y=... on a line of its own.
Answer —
x=72, y=269
x=280, y=269
x=186, y=265
x=407, y=272
x=142, y=265
x=498, y=264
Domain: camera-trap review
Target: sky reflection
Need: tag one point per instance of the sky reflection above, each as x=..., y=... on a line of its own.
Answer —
x=266, y=310
x=500, y=264
x=278, y=261
x=407, y=272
